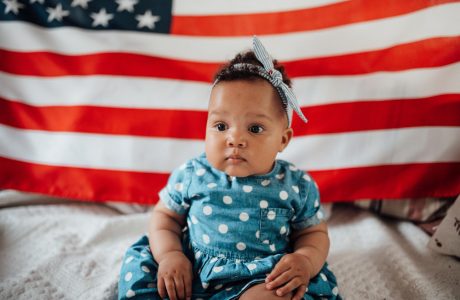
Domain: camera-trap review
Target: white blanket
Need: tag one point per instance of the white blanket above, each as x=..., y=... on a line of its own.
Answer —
x=74, y=251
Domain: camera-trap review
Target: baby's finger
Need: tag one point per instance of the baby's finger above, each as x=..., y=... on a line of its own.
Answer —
x=299, y=292
x=180, y=287
x=280, y=280
x=171, y=288
x=188, y=285
x=288, y=287
x=279, y=269
x=161, y=287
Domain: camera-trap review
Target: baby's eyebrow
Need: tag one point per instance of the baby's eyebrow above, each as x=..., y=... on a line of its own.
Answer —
x=263, y=116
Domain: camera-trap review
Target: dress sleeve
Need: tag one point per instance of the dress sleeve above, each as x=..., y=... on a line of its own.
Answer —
x=175, y=194
x=308, y=211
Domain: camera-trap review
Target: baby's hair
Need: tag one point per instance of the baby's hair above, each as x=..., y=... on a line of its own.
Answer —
x=229, y=73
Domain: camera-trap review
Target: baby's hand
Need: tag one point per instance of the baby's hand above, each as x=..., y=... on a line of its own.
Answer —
x=290, y=273
x=175, y=276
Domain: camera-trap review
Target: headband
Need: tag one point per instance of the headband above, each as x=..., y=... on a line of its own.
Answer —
x=273, y=76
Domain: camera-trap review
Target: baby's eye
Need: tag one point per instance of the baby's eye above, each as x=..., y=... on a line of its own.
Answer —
x=256, y=129
x=221, y=126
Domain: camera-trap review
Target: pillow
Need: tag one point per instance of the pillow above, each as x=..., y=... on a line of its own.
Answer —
x=446, y=239
x=413, y=209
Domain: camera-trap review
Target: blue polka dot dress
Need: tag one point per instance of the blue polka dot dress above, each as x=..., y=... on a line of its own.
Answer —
x=238, y=229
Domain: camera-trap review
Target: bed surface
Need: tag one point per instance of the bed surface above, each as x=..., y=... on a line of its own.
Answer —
x=68, y=250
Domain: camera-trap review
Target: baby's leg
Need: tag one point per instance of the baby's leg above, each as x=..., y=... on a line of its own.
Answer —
x=138, y=273
x=259, y=291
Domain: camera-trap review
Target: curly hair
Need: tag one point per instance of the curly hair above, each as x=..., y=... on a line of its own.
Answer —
x=229, y=73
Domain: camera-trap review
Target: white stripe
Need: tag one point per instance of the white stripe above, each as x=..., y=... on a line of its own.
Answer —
x=377, y=147
x=441, y=20
x=322, y=152
x=225, y=7
x=131, y=92
x=98, y=151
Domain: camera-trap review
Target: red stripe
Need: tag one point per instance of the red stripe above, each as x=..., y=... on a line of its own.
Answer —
x=442, y=110
x=391, y=181
x=427, y=53
x=337, y=14
x=81, y=183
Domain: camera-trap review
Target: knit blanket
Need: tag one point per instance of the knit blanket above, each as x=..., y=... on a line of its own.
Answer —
x=74, y=251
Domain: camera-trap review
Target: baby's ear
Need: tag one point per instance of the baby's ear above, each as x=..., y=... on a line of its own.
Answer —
x=286, y=138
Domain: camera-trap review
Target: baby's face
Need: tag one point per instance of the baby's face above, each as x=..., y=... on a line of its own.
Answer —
x=246, y=127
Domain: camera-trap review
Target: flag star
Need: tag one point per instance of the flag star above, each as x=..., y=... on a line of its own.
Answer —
x=12, y=5
x=147, y=20
x=126, y=5
x=82, y=3
x=56, y=13
x=39, y=1
x=101, y=18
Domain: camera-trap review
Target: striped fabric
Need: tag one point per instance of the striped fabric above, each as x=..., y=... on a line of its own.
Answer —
x=101, y=100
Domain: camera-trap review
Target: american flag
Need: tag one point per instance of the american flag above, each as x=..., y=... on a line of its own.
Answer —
x=101, y=100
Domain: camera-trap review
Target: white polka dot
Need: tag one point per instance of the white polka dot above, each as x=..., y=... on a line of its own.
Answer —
x=263, y=203
x=145, y=269
x=335, y=291
x=229, y=288
x=213, y=260
x=244, y=216
x=228, y=200
x=237, y=261
x=178, y=186
x=194, y=219
x=206, y=239
x=295, y=188
x=151, y=285
x=221, y=256
x=284, y=195
x=143, y=254
x=217, y=269
x=319, y=214
x=280, y=176
x=271, y=215
x=252, y=267
x=130, y=294
x=306, y=289
x=257, y=234
x=218, y=287
x=265, y=182
x=323, y=277
x=283, y=230
x=292, y=168
x=197, y=254
x=207, y=210
x=223, y=228
x=211, y=185
x=241, y=246
x=129, y=259
x=306, y=177
x=200, y=172
x=247, y=188
x=266, y=242
x=316, y=203
x=205, y=285
x=183, y=166
x=128, y=276
x=272, y=247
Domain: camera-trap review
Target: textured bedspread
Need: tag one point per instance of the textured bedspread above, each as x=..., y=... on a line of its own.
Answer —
x=73, y=251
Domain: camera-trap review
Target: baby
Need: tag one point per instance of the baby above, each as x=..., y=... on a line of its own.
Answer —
x=254, y=223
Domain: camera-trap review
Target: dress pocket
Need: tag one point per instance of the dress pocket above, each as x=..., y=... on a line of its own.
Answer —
x=274, y=224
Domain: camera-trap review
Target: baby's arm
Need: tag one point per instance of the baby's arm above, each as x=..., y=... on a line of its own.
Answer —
x=294, y=271
x=174, y=268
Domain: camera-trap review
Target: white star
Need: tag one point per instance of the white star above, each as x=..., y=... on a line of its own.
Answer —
x=39, y=1
x=82, y=3
x=147, y=20
x=57, y=13
x=126, y=4
x=12, y=5
x=101, y=18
